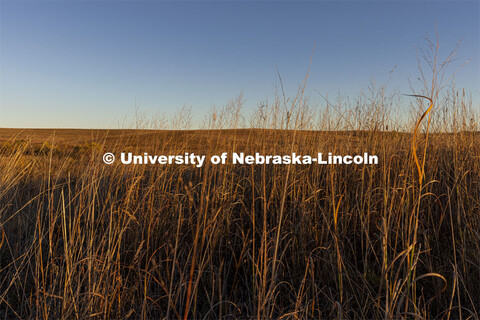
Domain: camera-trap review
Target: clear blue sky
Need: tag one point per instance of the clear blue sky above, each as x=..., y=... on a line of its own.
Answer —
x=84, y=64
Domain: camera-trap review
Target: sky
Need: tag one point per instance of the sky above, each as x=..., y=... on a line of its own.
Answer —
x=91, y=64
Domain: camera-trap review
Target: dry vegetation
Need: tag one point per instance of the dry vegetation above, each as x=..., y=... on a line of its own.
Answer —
x=81, y=239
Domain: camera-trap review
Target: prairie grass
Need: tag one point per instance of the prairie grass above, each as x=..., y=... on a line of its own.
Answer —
x=82, y=239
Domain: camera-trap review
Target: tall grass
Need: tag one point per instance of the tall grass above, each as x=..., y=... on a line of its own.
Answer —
x=81, y=239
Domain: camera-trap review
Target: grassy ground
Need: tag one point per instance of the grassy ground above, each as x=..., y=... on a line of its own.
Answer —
x=82, y=239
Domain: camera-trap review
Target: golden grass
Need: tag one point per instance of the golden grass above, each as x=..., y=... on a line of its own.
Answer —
x=83, y=239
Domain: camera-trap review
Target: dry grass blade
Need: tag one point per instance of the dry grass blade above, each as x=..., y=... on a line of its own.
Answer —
x=420, y=168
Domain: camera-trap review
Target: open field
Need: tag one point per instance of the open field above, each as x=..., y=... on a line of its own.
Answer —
x=82, y=239
x=340, y=181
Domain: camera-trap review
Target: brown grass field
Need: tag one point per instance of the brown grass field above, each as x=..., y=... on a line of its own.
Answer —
x=82, y=239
